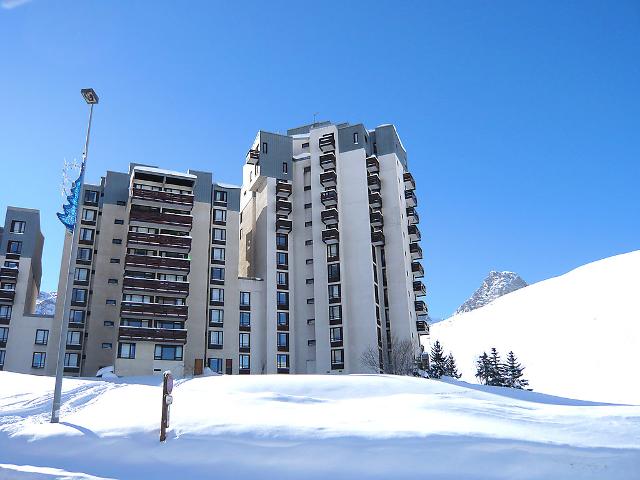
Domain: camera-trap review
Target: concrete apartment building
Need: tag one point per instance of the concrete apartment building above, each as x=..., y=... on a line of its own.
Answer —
x=312, y=262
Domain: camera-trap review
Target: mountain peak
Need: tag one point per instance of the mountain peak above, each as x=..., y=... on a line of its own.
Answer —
x=495, y=285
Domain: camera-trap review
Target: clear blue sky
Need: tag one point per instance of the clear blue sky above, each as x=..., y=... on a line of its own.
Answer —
x=521, y=119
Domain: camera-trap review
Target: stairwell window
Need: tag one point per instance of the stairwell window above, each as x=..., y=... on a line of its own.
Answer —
x=220, y=196
x=72, y=360
x=79, y=295
x=283, y=361
x=42, y=337
x=81, y=274
x=38, y=360
x=245, y=299
x=355, y=137
x=244, y=362
x=18, y=226
x=4, y=334
x=216, y=316
x=244, y=340
x=73, y=338
x=216, y=338
x=245, y=319
x=89, y=215
x=284, y=167
x=5, y=312
x=14, y=247
x=264, y=148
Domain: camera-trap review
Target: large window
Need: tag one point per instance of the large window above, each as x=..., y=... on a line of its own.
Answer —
x=282, y=259
x=333, y=272
x=283, y=339
x=84, y=253
x=167, y=352
x=216, y=316
x=282, y=278
x=219, y=234
x=216, y=338
x=127, y=350
x=14, y=247
x=5, y=312
x=91, y=196
x=219, y=196
x=2, y=354
x=42, y=337
x=283, y=299
x=336, y=334
x=337, y=357
x=217, y=254
x=335, y=312
x=245, y=299
x=86, y=234
x=283, y=318
x=283, y=360
x=79, y=295
x=217, y=294
x=245, y=319
x=219, y=215
x=217, y=274
x=215, y=364
x=81, y=274
x=244, y=340
x=282, y=240
x=38, y=360
x=73, y=338
x=72, y=360
x=4, y=334
x=89, y=215
x=18, y=226
x=244, y=362
x=333, y=251
x=334, y=292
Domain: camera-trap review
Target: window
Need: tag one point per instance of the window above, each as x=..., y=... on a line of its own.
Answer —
x=108, y=323
x=215, y=364
x=2, y=354
x=76, y=316
x=14, y=247
x=333, y=251
x=282, y=278
x=84, y=253
x=282, y=259
x=217, y=254
x=114, y=260
x=243, y=360
x=283, y=339
x=121, y=203
x=112, y=281
x=337, y=357
x=334, y=292
x=89, y=215
x=307, y=205
x=244, y=340
x=245, y=319
x=284, y=167
x=220, y=196
x=79, y=295
x=167, y=352
x=311, y=301
x=10, y=264
x=245, y=299
x=7, y=286
x=107, y=346
x=216, y=338
x=283, y=360
x=335, y=312
x=216, y=316
x=308, y=242
x=264, y=147
x=282, y=240
x=72, y=360
x=217, y=274
x=73, y=338
x=81, y=275
x=355, y=137
x=127, y=350
x=217, y=295
x=42, y=337
x=309, y=281
x=336, y=334
x=86, y=234
x=283, y=299
x=118, y=221
x=219, y=234
x=110, y=301
x=305, y=145
x=333, y=272
x=309, y=261
x=283, y=318
x=17, y=226
x=90, y=196
x=4, y=334
x=38, y=360
x=219, y=215
x=5, y=312
x=117, y=241
x=308, y=224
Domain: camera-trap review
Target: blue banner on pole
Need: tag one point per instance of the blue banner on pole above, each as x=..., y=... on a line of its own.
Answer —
x=70, y=209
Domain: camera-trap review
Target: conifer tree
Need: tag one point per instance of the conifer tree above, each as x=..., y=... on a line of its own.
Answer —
x=483, y=369
x=451, y=370
x=437, y=362
x=514, y=373
x=496, y=370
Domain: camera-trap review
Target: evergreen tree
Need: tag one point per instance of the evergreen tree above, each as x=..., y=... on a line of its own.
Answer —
x=451, y=370
x=496, y=370
x=513, y=373
x=437, y=362
x=483, y=369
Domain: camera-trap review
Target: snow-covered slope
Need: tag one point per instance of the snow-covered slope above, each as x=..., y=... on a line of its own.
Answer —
x=46, y=303
x=310, y=427
x=494, y=286
x=578, y=335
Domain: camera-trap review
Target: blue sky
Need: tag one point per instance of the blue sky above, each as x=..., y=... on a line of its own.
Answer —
x=521, y=119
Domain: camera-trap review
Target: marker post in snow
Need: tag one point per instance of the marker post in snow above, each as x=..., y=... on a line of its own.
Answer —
x=167, y=400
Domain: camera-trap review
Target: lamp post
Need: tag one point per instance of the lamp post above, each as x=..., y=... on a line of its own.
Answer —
x=91, y=98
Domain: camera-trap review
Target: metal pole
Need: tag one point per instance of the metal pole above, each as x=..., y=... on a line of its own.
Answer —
x=64, y=328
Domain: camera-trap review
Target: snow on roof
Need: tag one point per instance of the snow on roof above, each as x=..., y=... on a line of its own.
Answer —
x=227, y=185
x=301, y=136
x=162, y=171
x=301, y=156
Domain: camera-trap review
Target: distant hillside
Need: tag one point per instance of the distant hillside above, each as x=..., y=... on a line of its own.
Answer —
x=494, y=286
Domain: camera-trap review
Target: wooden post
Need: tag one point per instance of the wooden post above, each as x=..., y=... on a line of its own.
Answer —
x=167, y=399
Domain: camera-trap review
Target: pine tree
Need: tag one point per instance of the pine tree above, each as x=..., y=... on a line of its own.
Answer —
x=483, y=369
x=513, y=373
x=496, y=370
x=437, y=362
x=451, y=370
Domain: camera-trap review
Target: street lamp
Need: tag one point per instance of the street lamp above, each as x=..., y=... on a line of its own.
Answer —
x=72, y=209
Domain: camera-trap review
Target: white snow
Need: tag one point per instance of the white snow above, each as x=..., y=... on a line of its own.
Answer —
x=578, y=335
x=310, y=427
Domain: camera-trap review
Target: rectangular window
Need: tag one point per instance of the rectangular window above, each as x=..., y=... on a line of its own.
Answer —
x=333, y=272
x=244, y=340
x=245, y=319
x=107, y=346
x=167, y=352
x=91, y=196
x=310, y=301
x=2, y=354
x=333, y=251
x=38, y=360
x=126, y=350
x=5, y=312
x=283, y=360
x=218, y=254
x=81, y=275
x=76, y=316
x=118, y=221
x=335, y=312
x=282, y=259
x=308, y=242
x=283, y=318
x=4, y=334
x=282, y=240
x=216, y=316
x=307, y=205
x=355, y=137
x=84, y=253
x=73, y=338
x=219, y=234
x=244, y=362
x=14, y=247
x=112, y=281
x=283, y=299
x=217, y=295
x=336, y=334
x=308, y=224
x=18, y=226
x=42, y=337
x=89, y=215
x=245, y=299
x=114, y=260
x=108, y=323
x=309, y=261
x=117, y=241
x=79, y=295
x=334, y=292
x=72, y=360
x=220, y=196
x=309, y=281
x=264, y=147
x=282, y=278
x=87, y=234
x=283, y=339
x=305, y=145
x=215, y=364
x=337, y=357
x=216, y=338
x=217, y=274
x=110, y=301
x=10, y=264
x=219, y=215
x=284, y=167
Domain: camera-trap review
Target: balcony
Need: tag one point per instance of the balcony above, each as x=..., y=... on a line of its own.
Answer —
x=329, y=217
x=409, y=182
x=283, y=190
x=163, y=286
x=7, y=295
x=150, y=216
x=412, y=216
x=373, y=165
x=417, y=270
x=329, y=198
x=154, y=309
x=422, y=327
x=327, y=142
x=415, y=251
x=328, y=179
x=375, y=219
x=411, y=199
x=164, y=197
x=162, y=240
x=421, y=307
x=328, y=160
x=283, y=207
x=148, y=261
x=7, y=272
x=283, y=226
x=419, y=289
x=377, y=238
x=373, y=182
x=253, y=156
x=152, y=334
x=375, y=200
x=414, y=233
x=330, y=236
